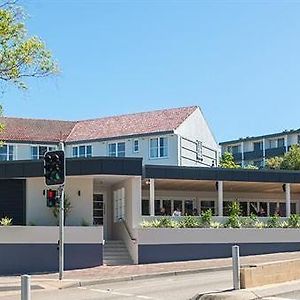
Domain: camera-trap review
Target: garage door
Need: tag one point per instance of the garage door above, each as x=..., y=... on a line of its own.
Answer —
x=13, y=200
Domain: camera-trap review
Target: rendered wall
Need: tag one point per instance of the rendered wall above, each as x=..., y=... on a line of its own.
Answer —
x=38, y=213
x=168, y=244
x=29, y=249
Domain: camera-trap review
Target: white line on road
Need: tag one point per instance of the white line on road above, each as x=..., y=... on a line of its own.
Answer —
x=116, y=293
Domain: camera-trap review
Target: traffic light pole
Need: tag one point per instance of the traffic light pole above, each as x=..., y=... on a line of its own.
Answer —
x=61, y=224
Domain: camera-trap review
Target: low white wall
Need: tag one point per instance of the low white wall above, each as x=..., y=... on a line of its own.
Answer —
x=50, y=235
x=151, y=236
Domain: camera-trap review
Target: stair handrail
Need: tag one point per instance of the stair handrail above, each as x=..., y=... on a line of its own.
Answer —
x=127, y=229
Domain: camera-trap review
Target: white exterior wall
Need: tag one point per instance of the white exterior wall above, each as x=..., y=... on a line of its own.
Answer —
x=101, y=149
x=132, y=214
x=38, y=213
x=195, y=128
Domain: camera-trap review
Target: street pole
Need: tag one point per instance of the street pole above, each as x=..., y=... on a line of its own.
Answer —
x=61, y=222
x=236, y=267
x=25, y=287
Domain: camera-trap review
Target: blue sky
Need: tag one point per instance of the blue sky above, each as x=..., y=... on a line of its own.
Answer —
x=238, y=60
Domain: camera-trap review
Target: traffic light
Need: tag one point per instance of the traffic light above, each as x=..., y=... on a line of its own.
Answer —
x=52, y=199
x=54, y=167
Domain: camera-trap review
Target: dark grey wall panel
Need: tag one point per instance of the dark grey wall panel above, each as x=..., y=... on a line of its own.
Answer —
x=33, y=258
x=13, y=200
x=75, y=166
x=183, y=252
x=196, y=173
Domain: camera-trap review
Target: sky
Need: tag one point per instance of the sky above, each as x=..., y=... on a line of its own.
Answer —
x=238, y=60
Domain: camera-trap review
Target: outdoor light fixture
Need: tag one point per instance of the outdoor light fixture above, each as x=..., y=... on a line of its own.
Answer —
x=283, y=187
x=147, y=181
x=79, y=193
x=217, y=185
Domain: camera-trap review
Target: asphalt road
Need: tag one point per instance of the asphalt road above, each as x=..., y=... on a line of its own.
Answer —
x=168, y=287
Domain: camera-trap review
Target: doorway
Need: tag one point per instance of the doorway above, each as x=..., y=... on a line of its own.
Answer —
x=100, y=212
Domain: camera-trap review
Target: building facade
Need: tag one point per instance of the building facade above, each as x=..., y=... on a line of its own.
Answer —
x=178, y=137
x=255, y=150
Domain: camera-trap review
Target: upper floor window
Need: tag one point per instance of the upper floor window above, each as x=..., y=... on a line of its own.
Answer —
x=199, y=154
x=159, y=147
x=116, y=149
x=82, y=151
x=38, y=152
x=257, y=146
x=6, y=152
x=280, y=142
x=234, y=149
x=136, y=146
x=272, y=144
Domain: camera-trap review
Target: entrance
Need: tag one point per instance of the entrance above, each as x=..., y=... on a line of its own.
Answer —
x=99, y=212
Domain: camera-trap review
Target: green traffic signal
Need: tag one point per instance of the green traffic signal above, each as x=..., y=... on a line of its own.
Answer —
x=54, y=167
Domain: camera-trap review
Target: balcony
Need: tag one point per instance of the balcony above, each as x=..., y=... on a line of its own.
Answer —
x=275, y=151
x=253, y=155
x=237, y=156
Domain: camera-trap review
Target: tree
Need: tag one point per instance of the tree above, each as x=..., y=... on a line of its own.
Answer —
x=274, y=162
x=227, y=161
x=21, y=56
x=291, y=160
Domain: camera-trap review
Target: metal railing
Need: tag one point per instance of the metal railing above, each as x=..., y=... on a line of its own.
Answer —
x=121, y=220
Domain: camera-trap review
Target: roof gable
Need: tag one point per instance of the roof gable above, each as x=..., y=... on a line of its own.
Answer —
x=131, y=124
x=38, y=130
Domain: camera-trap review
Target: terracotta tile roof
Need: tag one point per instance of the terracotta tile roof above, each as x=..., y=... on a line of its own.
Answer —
x=37, y=130
x=131, y=124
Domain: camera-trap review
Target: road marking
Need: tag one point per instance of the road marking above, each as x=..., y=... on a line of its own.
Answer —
x=116, y=293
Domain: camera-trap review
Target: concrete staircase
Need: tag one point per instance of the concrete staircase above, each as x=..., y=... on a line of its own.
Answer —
x=115, y=253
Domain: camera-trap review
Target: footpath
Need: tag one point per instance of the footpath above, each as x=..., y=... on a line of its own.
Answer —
x=105, y=274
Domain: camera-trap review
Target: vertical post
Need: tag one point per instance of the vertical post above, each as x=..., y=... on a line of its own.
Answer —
x=243, y=156
x=25, y=287
x=288, y=199
x=152, y=197
x=220, y=198
x=264, y=151
x=61, y=224
x=236, y=267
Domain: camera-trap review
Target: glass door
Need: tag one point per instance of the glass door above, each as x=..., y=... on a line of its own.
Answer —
x=98, y=209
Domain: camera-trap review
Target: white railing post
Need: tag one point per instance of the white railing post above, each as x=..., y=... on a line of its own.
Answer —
x=236, y=267
x=25, y=287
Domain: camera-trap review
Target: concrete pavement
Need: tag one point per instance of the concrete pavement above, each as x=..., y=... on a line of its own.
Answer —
x=105, y=274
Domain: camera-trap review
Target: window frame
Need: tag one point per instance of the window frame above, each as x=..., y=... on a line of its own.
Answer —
x=49, y=148
x=138, y=146
x=158, y=138
x=116, y=145
x=85, y=150
x=8, y=147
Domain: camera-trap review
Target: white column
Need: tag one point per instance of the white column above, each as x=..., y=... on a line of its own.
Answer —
x=136, y=185
x=152, y=197
x=242, y=150
x=288, y=199
x=286, y=143
x=264, y=151
x=220, y=198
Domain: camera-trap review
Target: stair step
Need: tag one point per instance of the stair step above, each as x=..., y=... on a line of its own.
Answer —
x=115, y=253
x=117, y=262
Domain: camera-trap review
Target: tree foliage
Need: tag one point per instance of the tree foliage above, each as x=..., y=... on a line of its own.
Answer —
x=274, y=162
x=290, y=160
x=21, y=56
x=227, y=161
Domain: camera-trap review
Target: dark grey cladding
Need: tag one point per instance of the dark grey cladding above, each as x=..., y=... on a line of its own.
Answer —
x=184, y=252
x=37, y=258
x=75, y=166
x=196, y=173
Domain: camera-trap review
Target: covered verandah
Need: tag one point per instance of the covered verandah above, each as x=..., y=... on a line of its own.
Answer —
x=192, y=191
